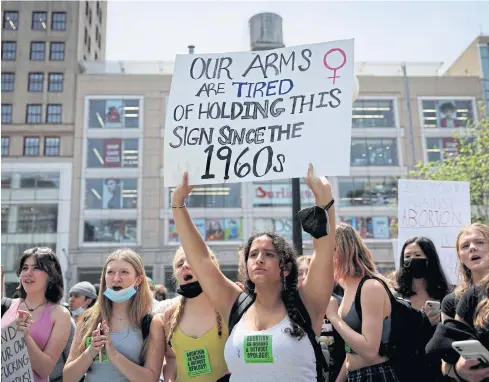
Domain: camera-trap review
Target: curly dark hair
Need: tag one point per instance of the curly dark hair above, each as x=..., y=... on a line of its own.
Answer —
x=437, y=284
x=287, y=255
x=47, y=261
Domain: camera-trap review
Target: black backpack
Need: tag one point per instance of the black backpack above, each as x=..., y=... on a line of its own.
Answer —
x=410, y=332
x=244, y=301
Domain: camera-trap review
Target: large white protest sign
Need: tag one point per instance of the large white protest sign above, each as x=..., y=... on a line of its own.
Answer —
x=16, y=365
x=239, y=117
x=436, y=210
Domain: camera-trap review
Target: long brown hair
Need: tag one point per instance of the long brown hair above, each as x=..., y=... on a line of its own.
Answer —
x=481, y=317
x=178, y=309
x=352, y=257
x=139, y=305
x=464, y=273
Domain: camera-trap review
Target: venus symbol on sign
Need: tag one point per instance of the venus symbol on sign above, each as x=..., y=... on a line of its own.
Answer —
x=334, y=69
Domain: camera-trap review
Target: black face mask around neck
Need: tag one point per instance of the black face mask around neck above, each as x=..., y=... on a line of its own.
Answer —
x=190, y=290
x=416, y=267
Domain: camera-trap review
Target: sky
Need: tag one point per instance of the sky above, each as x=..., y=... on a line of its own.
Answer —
x=391, y=31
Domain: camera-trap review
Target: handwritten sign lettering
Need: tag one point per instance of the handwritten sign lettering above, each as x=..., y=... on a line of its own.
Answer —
x=243, y=116
x=436, y=210
x=16, y=365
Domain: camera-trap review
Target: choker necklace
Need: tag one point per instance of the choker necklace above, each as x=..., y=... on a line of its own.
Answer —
x=32, y=310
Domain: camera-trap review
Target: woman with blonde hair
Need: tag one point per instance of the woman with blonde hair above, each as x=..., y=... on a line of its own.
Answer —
x=195, y=331
x=114, y=341
x=353, y=263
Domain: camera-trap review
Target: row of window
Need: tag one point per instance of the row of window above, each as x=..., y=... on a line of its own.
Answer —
x=26, y=180
x=39, y=21
x=35, y=82
x=37, y=51
x=32, y=146
x=88, y=12
x=33, y=113
x=34, y=218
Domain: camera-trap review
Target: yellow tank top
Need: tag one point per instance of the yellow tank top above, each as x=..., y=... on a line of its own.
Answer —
x=200, y=359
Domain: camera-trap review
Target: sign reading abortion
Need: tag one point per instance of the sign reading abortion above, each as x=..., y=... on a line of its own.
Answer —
x=240, y=117
x=436, y=210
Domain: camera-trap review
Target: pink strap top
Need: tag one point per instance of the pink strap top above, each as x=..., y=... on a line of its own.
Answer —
x=40, y=330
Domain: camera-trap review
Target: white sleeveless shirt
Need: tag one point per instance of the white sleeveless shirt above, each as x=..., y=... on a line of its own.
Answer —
x=269, y=355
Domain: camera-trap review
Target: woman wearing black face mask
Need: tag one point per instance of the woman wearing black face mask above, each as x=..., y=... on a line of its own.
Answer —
x=194, y=330
x=421, y=277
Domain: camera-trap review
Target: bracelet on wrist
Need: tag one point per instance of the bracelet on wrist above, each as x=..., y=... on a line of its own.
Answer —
x=328, y=206
x=178, y=205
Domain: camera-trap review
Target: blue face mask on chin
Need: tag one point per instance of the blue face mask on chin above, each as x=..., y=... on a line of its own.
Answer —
x=78, y=311
x=119, y=296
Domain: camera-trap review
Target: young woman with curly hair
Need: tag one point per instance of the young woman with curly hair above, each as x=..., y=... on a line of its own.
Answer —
x=266, y=344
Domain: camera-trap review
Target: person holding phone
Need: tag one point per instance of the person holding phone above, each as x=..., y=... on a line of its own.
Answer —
x=421, y=279
x=110, y=344
x=37, y=313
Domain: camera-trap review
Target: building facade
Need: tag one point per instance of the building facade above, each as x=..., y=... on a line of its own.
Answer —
x=42, y=43
x=118, y=166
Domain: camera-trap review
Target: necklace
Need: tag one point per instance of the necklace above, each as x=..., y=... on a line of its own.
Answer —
x=32, y=310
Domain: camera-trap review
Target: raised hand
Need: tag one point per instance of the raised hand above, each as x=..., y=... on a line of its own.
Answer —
x=180, y=193
x=319, y=186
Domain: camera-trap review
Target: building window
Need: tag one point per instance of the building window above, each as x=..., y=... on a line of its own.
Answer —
x=446, y=113
x=39, y=21
x=6, y=113
x=113, y=114
x=89, y=45
x=51, y=146
x=38, y=51
x=57, y=52
x=100, y=16
x=37, y=218
x=9, y=50
x=40, y=180
x=114, y=152
x=379, y=227
x=281, y=226
x=278, y=193
x=111, y=193
x=10, y=20
x=373, y=152
x=110, y=231
x=85, y=37
x=36, y=82
x=226, y=195
x=98, y=8
x=54, y=114
x=87, y=8
x=8, y=82
x=373, y=114
x=5, y=146
x=55, y=82
x=58, y=21
x=223, y=229
x=96, y=56
x=34, y=113
x=90, y=17
x=31, y=146
x=368, y=191
x=440, y=149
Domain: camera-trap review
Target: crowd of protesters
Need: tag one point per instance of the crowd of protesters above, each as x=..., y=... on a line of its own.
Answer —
x=329, y=316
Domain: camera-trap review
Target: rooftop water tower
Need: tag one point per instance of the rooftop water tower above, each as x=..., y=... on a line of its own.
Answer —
x=266, y=31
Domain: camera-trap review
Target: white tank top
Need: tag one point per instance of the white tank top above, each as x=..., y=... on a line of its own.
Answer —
x=269, y=355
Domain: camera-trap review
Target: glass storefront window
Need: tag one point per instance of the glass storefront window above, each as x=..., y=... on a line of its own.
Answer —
x=278, y=193
x=37, y=218
x=446, y=113
x=373, y=152
x=359, y=191
x=39, y=180
x=11, y=253
x=378, y=227
x=373, y=114
x=113, y=114
x=110, y=231
x=280, y=226
x=5, y=215
x=111, y=193
x=225, y=195
x=6, y=180
x=112, y=153
x=224, y=229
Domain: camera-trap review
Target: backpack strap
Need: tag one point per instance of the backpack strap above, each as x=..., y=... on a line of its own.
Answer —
x=146, y=324
x=6, y=302
x=240, y=306
x=306, y=324
x=358, y=305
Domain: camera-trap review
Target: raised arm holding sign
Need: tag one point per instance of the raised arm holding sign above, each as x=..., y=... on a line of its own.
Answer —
x=238, y=117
